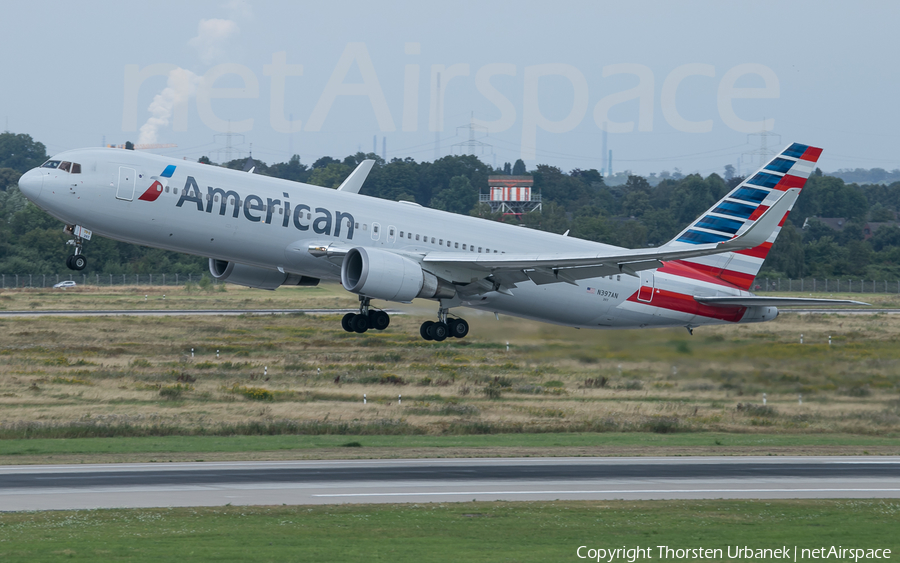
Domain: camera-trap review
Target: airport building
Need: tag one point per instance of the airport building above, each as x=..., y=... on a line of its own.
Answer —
x=512, y=195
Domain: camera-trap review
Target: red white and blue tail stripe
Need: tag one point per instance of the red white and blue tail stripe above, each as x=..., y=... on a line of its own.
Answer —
x=736, y=212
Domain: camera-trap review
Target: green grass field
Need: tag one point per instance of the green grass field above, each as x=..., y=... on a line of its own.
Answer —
x=466, y=531
x=279, y=383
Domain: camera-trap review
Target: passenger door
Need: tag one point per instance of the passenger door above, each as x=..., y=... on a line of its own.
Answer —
x=645, y=293
x=125, y=190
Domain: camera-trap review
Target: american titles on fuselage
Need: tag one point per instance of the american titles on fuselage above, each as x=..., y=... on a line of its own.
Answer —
x=257, y=210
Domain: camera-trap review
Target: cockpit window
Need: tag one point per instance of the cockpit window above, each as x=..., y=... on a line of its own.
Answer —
x=65, y=166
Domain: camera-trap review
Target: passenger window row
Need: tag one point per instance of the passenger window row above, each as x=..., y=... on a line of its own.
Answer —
x=409, y=235
x=450, y=244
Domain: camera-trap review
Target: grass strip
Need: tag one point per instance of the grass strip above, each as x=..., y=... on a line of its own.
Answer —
x=203, y=444
x=465, y=531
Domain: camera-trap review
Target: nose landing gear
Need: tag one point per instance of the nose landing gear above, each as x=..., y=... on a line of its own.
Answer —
x=77, y=261
x=365, y=319
x=444, y=328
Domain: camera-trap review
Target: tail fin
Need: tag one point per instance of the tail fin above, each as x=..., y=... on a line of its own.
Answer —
x=738, y=210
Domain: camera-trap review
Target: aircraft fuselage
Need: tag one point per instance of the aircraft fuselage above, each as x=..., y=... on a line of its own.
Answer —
x=271, y=223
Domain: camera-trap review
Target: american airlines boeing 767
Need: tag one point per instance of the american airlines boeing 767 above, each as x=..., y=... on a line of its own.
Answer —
x=265, y=232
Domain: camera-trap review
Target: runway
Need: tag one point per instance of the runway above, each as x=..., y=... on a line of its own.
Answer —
x=443, y=480
x=840, y=311
x=180, y=312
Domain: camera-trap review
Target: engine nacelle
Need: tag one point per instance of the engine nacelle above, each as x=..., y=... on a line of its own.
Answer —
x=385, y=275
x=251, y=276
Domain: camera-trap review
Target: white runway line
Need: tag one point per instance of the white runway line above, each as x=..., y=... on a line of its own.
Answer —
x=613, y=491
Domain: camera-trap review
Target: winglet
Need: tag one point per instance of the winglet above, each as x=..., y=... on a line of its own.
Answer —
x=356, y=178
x=765, y=225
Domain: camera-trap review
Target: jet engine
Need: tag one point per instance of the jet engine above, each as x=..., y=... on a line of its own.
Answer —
x=385, y=275
x=251, y=276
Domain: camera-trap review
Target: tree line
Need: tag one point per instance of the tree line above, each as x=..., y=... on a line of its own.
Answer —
x=633, y=214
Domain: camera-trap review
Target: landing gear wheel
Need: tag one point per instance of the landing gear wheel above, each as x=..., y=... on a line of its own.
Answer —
x=360, y=323
x=424, y=330
x=459, y=328
x=77, y=262
x=346, y=321
x=439, y=332
x=379, y=320
x=69, y=262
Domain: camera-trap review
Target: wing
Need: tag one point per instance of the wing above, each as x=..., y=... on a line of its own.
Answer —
x=507, y=269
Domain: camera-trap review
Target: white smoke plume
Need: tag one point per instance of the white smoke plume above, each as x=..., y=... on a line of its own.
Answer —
x=211, y=43
x=212, y=39
x=181, y=85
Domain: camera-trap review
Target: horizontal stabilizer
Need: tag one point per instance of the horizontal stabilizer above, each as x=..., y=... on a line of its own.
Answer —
x=757, y=301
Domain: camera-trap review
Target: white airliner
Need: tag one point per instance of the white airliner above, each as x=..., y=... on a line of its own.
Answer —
x=265, y=232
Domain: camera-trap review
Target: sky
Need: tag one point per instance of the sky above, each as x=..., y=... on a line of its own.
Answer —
x=688, y=85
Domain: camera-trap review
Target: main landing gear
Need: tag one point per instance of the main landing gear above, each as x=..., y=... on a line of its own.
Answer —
x=444, y=328
x=365, y=319
x=76, y=261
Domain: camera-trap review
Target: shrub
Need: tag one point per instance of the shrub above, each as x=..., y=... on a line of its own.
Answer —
x=173, y=392
x=253, y=393
x=205, y=283
x=597, y=383
x=859, y=391
x=388, y=358
x=70, y=381
x=492, y=391
x=498, y=381
x=663, y=424
x=460, y=409
x=183, y=377
x=56, y=361
x=756, y=410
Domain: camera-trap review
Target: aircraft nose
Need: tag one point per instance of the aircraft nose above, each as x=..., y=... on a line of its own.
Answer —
x=31, y=183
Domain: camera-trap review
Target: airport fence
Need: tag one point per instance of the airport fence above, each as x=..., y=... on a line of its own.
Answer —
x=770, y=285
x=11, y=281
x=827, y=285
